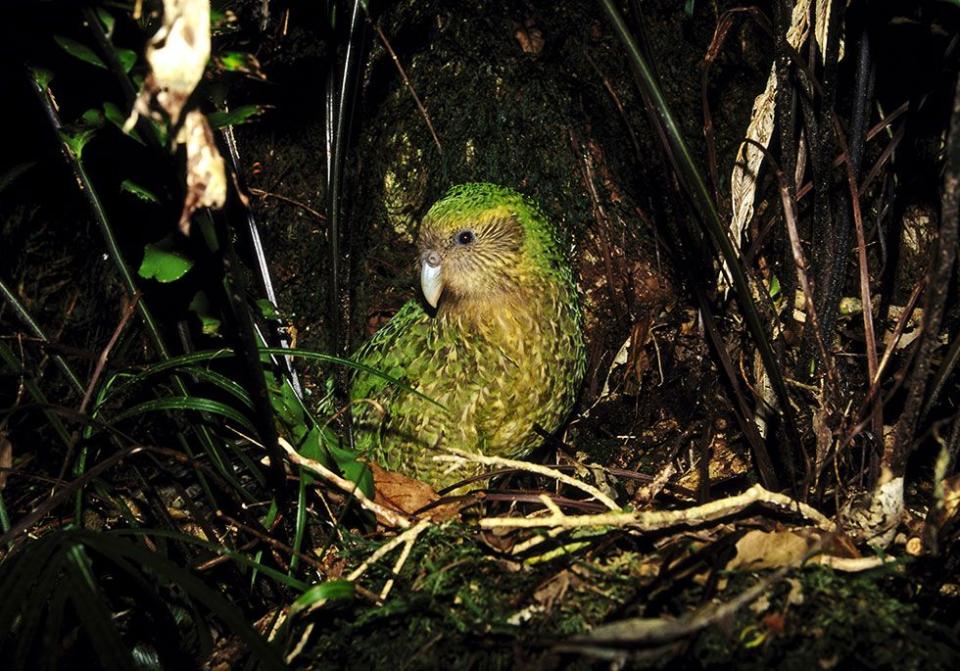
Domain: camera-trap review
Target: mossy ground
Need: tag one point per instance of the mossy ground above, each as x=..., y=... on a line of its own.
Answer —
x=458, y=603
x=545, y=122
x=563, y=123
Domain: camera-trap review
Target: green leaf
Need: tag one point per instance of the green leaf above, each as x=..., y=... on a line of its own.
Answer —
x=236, y=116
x=42, y=77
x=353, y=470
x=200, y=306
x=92, y=118
x=292, y=402
x=162, y=263
x=106, y=19
x=192, y=403
x=76, y=141
x=318, y=595
x=268, y=310
x=127, y=58
x=223, y=22
x=224, y=383
x=287, y=413
x=356, y=471
x=329, y=358
x=78, y=50
x=240, y=61
x=115, y=116
x=140, y=192
x=774, y=286
x=186, y=360
x=313, y=448
x=191, y=585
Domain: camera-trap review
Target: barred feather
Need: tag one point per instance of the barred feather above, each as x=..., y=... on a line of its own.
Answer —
x=503, y=352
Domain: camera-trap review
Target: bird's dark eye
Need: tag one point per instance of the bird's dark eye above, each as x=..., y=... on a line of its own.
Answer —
x=465, y=237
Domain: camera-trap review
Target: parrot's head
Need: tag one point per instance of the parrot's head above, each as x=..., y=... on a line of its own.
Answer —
x=485, y=244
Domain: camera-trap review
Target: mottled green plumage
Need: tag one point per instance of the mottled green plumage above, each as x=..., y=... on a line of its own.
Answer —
x=502, y=352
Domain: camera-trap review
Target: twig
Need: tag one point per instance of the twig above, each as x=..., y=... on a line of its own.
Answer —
x=319, y=216
x=129, y=305
x=386, y=515
x=938, y=284
x=650, y=520
x=634, y=631
x=406, y=81
x=460, y=455
x=409, y=535
x=262, y=536
x=800, y=261
x=412, y=534
x=864, y=267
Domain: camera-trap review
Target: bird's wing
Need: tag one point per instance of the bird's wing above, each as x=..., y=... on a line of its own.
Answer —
x=389, y=351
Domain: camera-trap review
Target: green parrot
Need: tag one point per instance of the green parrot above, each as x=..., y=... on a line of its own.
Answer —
x=497, y=341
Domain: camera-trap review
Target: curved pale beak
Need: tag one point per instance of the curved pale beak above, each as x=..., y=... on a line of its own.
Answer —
x=431, y=280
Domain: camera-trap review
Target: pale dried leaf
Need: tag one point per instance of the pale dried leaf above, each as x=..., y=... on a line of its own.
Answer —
x=823, y=22
x=772, y=549
x=743, y=179
x=790, y=548
x=177, y=53
x=206, y=172
x=873, y=517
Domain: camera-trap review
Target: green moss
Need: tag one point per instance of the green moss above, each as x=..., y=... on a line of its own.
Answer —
x=844, y=621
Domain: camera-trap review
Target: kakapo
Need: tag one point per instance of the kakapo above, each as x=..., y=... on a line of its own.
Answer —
x=498, y=342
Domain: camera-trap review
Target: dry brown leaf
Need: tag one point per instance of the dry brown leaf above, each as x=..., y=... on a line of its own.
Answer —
x=399, y=492
x=177, y=53
x=724, y=463
x=743, y=178
x=6, y=458
x=772, y=549
x=552, y=592
x=786, y=548
x=206, y=172
x=530, y=38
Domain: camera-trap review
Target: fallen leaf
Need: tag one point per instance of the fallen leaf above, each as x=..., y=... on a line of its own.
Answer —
x=774, y=622
x=772, y=549
x=530, y=38
x=206, y=172
x=6, y=458
x=399, y=492
x=177, y=53
x=775, y=549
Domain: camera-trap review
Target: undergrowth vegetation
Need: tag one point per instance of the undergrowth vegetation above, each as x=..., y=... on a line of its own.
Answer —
x=761, y=470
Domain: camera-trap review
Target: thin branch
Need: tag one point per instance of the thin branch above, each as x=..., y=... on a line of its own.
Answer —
x=386, y=515
x=460, y=456
x=406, y=82
x=650, y=520
x=319, y=216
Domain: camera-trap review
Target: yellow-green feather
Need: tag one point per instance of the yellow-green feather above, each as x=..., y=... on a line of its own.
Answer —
x=499, y=367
